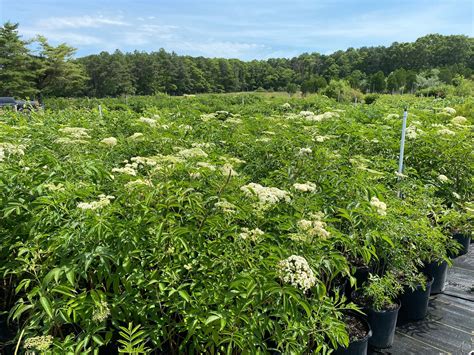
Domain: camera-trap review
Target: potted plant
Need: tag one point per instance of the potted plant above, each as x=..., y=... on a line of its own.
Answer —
x=415, y=297
x=378, y=297
x=457, y=225
x=359, y=333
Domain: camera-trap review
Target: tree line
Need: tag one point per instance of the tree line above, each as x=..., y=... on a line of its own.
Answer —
x=35, y=68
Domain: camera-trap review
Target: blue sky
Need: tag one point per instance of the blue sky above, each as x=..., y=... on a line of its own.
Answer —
x=242, y=29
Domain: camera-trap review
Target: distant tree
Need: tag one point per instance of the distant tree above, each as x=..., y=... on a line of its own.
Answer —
x=59, y=74
x=313, y=84
x=17, y=69
x=377, y=82
x=356, y=79
x=291, y=89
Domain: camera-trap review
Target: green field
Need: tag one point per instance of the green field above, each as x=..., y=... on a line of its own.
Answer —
x=221, y=223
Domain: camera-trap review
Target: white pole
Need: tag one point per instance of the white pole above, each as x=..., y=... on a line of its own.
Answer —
x=100, y=111
x=402, y=143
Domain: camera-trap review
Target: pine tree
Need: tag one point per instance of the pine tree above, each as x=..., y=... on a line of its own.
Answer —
x=17, y=73
x=59, y=74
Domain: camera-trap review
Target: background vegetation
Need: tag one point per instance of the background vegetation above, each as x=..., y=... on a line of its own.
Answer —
x=432, y=65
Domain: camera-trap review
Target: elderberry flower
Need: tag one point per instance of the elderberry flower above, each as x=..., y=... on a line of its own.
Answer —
x=41, y=343
x=192, y=153
x=110, y=141
x=446, y=131
x=460, y=120
x=296, y=271
x=266, y=195
x=75, y=132
x=104, y=200
x=306, y=187
x=449, y=110
x=251, y=234
x=101, y=313
x=379, y=205
x=305, y=151
x=135, y=136
x=443, y=178
x=226, y=206
x=149, y=121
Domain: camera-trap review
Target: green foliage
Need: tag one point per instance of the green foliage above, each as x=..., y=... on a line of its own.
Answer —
x=370, y=98
x=17, y=68
x=313, y=85
x=382, y=292
x=158, y=229
x=133, y=340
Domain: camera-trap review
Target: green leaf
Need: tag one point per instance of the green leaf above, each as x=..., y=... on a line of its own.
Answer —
x=47, y=306
x=185, y=295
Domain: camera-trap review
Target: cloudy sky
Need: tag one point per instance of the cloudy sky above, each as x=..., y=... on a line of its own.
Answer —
x=245, y=29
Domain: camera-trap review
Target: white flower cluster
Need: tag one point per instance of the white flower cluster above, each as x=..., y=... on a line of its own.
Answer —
x=379, y=205
x=321, y=139
x=226, y=206
x=149, y=121
x=142, y=161
x=53, y=187
x=202, y=145
x=311, y=116
x=314, y=227
x=286, y=106
x=41, y=343
x=192, y=153
x=266, y=195
x=203, y=164
x=11, y=149
x=227, y=169
x=127, y=170
x=306, y=187
x=443, y=178
x=392, y=116
x=220, y=115
x=412, y=132
x=251, y=234
x=135, y=136
x=459, y=120
x=305, y=151
x=110, y=141
x=234, y=120
x=137, y=183
x=446, y=132
x=101, y=313
x=75, y=132
x=104, y=200
x=449, y=110
x=296, y=271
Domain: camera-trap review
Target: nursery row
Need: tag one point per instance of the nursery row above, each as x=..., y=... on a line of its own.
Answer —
x=225, y=223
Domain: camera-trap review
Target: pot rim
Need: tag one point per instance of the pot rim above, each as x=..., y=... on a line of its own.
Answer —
x=363, y=319
x=397, y=302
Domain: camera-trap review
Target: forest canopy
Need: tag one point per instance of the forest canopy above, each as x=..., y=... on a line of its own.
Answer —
x=34, y=68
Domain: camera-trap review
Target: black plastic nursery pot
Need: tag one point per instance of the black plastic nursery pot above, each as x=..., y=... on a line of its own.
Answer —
x=361, y=275
x=414, y=303
x=438, y=271
x=383, y=324
x=359, y=346
x=464, y=240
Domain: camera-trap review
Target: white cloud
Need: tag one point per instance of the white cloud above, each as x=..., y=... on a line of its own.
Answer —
x=149, y=33
x=86, y=21
x=74, y=39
